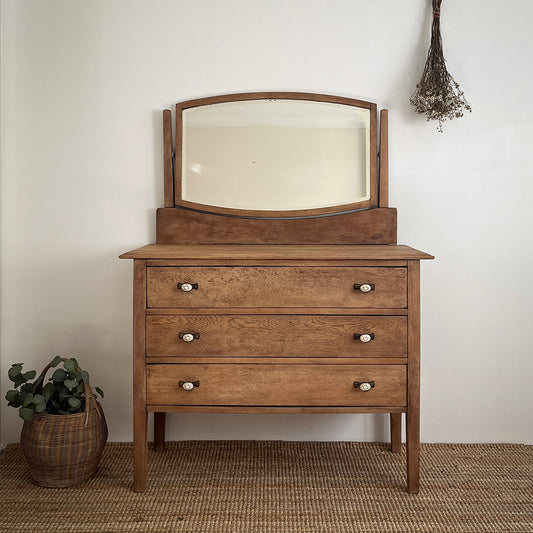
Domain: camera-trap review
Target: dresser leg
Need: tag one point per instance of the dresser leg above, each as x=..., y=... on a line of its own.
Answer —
x=140, y=449
x=413, y=377
x=413, y=450
x=159, y=431
x=395, y=432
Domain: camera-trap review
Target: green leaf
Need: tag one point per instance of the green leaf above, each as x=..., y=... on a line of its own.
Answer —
x=55, y=361
x=59, y=375
x=48, y=391
x=40, y=407
x=99, y=391
x=63, y=412
x=19, y=380
x=70, y=366
x=27, y=387
x=71, y=383
x=74, y=402
x=14, y=371
x=85, y=376
x=29, y=375
x=12, y=395
x=38, y=398
x=26, y=414
x=27, y=399
x=23, y=395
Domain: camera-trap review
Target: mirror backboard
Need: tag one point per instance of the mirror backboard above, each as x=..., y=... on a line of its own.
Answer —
x=276, y=154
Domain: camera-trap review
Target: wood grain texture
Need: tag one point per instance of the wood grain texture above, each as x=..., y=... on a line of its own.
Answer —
x=168, y=170
x=264, y=214
x=277, y=287
x=278, y=262
x=274, y=311
x=184, y=226
x=236, y=360
x=374, y=200
x=413, y=379
x=232, y=254
x=140, y=415
x=395, y=432
x=276, y=385
x=272, y=410
x=283, y=95
x=281, y=336
x=384, y=159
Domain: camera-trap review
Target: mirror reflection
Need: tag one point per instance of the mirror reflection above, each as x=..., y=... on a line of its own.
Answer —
x=276, y=155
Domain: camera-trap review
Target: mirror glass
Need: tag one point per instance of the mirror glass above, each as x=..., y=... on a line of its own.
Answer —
x=276, y=155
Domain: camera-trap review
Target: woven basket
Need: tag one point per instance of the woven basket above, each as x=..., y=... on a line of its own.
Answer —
x=64, y=450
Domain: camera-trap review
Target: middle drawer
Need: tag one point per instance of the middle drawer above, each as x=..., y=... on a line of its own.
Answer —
x=279, y=335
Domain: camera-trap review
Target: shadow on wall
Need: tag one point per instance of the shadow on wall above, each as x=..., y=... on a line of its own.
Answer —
x=310, y=427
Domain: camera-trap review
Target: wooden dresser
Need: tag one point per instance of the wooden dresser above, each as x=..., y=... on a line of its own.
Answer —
x=262, y=325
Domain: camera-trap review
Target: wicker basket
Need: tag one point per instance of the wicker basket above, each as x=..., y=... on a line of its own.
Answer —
x=64, y=450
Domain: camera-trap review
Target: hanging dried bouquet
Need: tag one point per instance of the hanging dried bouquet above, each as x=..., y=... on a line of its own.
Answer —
x=437, y=94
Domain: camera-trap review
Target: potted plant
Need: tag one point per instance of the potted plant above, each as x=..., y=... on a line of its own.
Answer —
x=64, y=431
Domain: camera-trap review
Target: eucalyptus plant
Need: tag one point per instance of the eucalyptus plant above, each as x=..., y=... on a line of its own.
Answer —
x=63, y=394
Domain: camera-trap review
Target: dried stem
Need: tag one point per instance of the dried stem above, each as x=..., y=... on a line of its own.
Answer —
x=437, y=94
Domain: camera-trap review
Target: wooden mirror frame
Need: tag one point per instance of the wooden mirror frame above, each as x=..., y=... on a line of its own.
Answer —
x=173, y=183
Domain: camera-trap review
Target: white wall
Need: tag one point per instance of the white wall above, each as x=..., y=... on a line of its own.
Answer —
x=83, y=86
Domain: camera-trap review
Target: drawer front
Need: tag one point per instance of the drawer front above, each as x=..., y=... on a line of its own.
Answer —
x=276, y=385
x=276, y=335
x=277, y=287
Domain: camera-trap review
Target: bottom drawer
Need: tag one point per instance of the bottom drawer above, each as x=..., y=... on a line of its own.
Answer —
x=276, y=384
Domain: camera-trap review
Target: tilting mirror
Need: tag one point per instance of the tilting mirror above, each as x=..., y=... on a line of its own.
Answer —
x=276, y=156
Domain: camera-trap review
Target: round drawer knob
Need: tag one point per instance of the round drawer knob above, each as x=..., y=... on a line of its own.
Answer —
x=188, y=337
x=365, y=387
x=188, y=386
x=365, y=337
x=365, y=287
x=186, y=287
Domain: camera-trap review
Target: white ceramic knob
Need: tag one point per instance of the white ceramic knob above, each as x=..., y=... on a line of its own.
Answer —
x=187, y=386
x=365, y=287
x=365, y=387
x=188, y=337
x=365, y=337
x=186, y=287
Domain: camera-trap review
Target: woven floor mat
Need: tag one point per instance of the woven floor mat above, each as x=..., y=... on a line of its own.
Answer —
x=288, y=487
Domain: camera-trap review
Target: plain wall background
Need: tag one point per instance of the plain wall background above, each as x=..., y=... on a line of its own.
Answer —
x=83, y=86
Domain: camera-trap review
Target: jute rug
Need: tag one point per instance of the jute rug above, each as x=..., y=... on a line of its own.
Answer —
x=288, y=487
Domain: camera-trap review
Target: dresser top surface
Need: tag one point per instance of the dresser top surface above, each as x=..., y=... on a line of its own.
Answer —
x=387, y=252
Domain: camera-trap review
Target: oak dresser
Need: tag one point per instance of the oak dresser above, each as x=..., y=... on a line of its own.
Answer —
x=255, y=314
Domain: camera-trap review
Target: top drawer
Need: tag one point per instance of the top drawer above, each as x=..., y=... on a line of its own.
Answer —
x=263, y=286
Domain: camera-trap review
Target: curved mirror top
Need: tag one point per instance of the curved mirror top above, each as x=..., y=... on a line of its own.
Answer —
x=275, y=155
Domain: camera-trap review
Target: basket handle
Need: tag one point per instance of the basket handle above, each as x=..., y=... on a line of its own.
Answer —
x=86, y=387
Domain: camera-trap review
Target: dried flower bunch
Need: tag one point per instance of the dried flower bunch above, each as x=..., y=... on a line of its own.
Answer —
x=437, y=94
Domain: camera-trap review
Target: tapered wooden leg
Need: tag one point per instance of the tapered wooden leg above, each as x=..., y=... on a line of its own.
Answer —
x=140, y=449
x=395, y=432
x=413, y=377
x=159, y=431
x=413, y=450
x=140, y=415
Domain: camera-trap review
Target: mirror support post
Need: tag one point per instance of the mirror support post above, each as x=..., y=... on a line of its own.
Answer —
x=384, y=158
x=167, y=159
